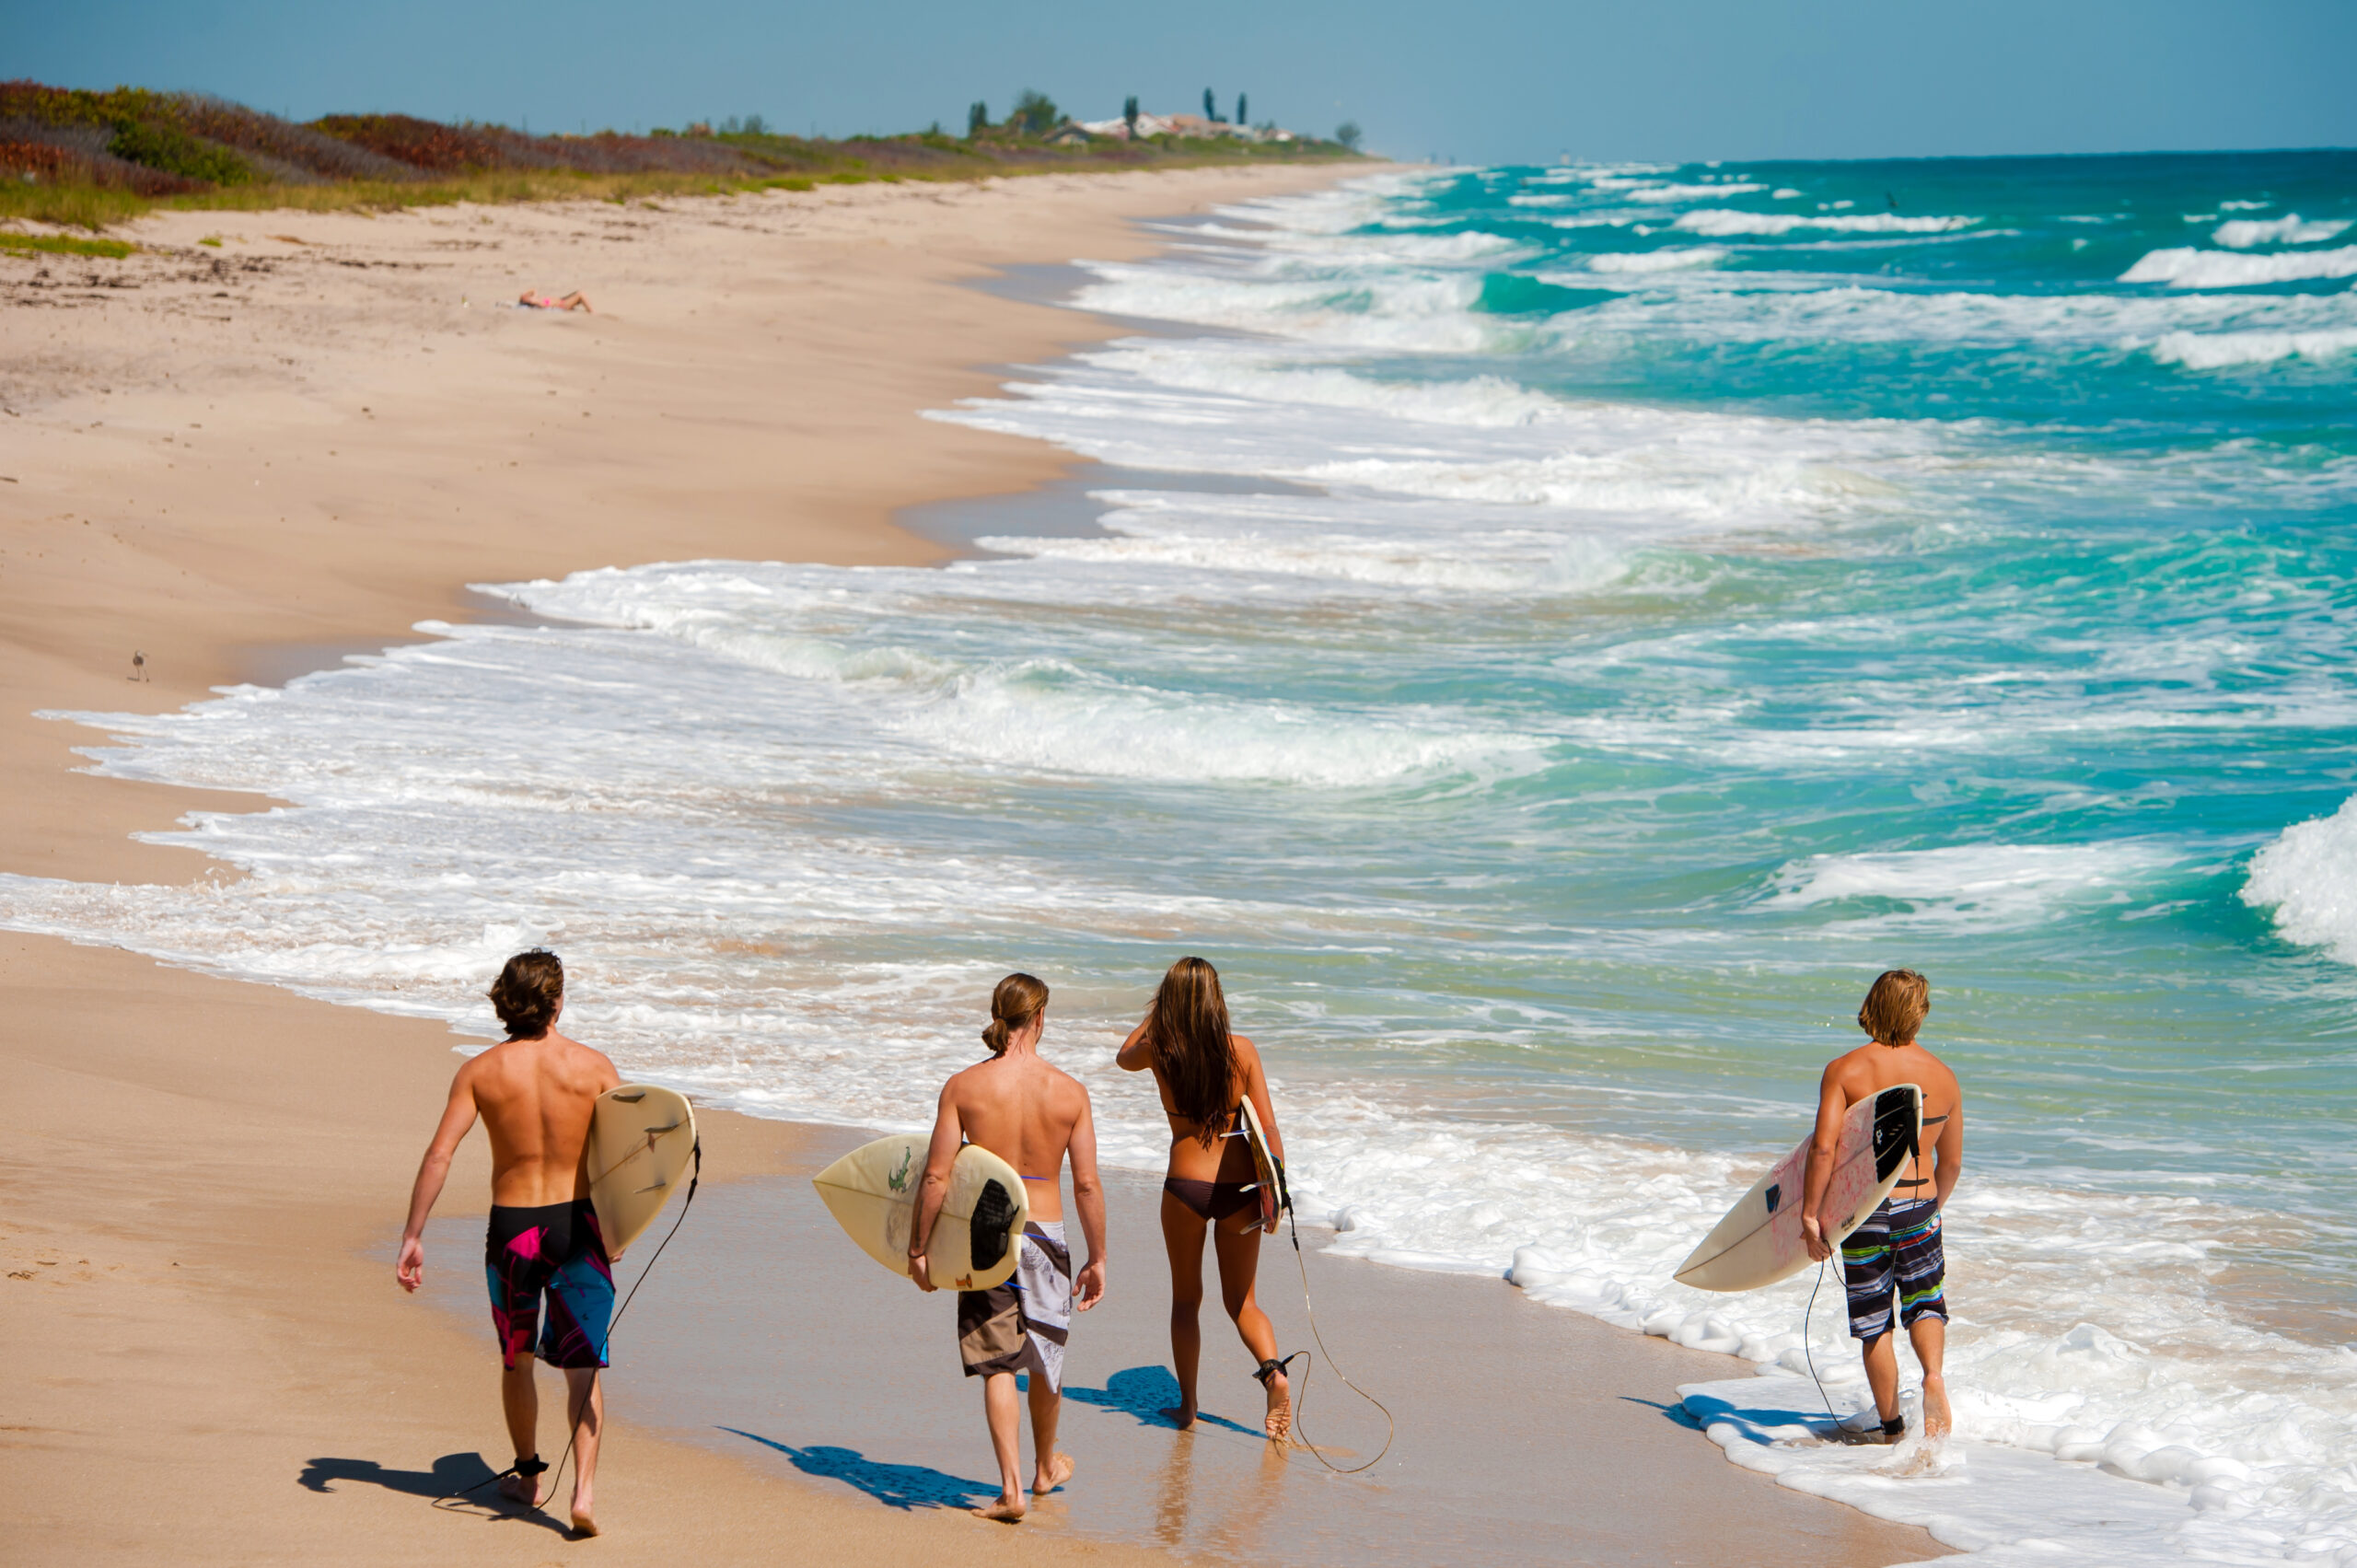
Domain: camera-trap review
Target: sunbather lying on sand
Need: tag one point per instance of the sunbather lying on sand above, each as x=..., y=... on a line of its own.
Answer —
x=574, y=301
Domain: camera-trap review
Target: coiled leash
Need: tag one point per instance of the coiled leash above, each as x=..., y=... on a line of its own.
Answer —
x=1301, y=1402
x=529, y=1468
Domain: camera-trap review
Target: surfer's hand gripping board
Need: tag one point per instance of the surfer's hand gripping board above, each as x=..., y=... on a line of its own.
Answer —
x=641, y=1142
x=1762, y=1240
x=1268, y=1171
x=872, y=1192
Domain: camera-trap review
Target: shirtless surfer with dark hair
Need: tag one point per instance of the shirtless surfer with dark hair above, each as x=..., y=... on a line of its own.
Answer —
x=1898, y=1251
x=534, y=1092
x=1031, y=1116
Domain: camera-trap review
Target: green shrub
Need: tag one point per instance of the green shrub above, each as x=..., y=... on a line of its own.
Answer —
x=156, y=146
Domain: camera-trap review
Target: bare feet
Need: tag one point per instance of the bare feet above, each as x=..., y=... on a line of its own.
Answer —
x=1007, y=1510
x=524, y=1490
x=1280, y=1418
x=1937, y=1418
x=1053, y=1474
x=584, y=1525
x=1180, y=1416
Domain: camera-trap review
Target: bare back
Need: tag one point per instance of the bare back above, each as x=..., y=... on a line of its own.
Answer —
x=1025, y=1112
x=1873, y=1067
x=535, y=1097
x=1225, y=1158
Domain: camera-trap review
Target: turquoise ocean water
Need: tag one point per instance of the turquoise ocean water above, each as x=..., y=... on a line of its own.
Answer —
x=1551, y=636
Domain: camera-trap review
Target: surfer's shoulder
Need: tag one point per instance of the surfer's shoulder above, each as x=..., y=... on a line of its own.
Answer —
x=1851, y=1069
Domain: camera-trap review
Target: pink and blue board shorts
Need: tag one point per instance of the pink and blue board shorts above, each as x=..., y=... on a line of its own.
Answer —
x=1897, y=1249
x=553, y=1251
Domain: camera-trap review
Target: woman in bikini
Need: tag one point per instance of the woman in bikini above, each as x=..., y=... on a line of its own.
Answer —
x=1204, y=1074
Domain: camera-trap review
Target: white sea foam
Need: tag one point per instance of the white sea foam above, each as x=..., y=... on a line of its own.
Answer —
x=2210, y=351
x=1977, y=886
x=1671, y=191
x=2288, y=229
x=2186, y=267
x=2308, y=877
x=1721, y=223
x=1663, y=260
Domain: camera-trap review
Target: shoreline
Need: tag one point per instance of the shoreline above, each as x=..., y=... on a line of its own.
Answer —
x=290, y=1087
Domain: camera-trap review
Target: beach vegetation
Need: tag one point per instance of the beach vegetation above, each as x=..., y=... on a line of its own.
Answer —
x=1034, y=114
x=1129, y=114
x=1242, y=117
x=68, y=245
x=76, y=158
x=1347, y=134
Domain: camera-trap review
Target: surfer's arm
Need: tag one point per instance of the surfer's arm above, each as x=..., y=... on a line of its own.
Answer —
x=457, y=1117
x=1256, y=1085
x=1137, y=1052
x=1832, y=1106
x=934, y=1190
x=1948, y=1153
x=1088, y=1196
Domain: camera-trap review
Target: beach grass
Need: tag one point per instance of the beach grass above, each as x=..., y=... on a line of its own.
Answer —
x=67, y=244
x=96, y=208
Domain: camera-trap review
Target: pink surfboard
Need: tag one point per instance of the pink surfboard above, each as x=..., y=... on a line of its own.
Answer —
x=1759, y=1241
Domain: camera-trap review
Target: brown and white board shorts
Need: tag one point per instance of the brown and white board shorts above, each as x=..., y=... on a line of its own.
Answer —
x=1021, y=1324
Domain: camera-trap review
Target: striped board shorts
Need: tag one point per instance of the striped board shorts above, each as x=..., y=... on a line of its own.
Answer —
x=1897, y=1249
x=1021, y=1326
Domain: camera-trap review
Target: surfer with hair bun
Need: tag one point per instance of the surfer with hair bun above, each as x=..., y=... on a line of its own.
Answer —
x=1898, y=1250
x=1032, y=1116
x=1205, y=1074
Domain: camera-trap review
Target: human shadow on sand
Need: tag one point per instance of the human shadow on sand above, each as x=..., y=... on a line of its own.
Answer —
x=460, y=1478
x=904, y=1487
x=1144, y=1392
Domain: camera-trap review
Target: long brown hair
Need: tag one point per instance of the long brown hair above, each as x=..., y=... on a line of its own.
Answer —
x=1192, y=1051
x=1014, y=1004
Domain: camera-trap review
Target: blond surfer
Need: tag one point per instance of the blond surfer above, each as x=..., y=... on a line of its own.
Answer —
x=1897, y=1255
x=535, y=1093
x=1205, y=1074
x=1033, y=1116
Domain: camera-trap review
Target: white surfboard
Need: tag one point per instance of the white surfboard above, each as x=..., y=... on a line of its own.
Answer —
x=872, y=1192
x=1759, y=1241
x=641, y=1140
x=1271, y=1193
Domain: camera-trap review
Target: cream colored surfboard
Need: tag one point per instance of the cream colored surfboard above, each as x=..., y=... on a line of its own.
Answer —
x=1759, y=1241
x=641, y=1140
x=872, y=1192
x=1271, y=1193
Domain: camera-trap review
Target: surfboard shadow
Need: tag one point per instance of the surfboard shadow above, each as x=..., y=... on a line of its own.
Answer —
x=1759, y=1425
x=1677, y=1413
x=1144, y=1392
x=905, y=1487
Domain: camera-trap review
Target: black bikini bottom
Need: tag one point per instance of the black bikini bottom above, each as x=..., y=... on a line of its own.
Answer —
x=1212, y=1200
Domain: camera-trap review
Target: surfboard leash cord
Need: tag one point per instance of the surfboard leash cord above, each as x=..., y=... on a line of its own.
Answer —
x=1809, y=1351
x=1301, y=1404
x=556, y=1471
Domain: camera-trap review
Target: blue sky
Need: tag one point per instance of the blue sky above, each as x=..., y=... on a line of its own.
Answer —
x=1479, y=80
